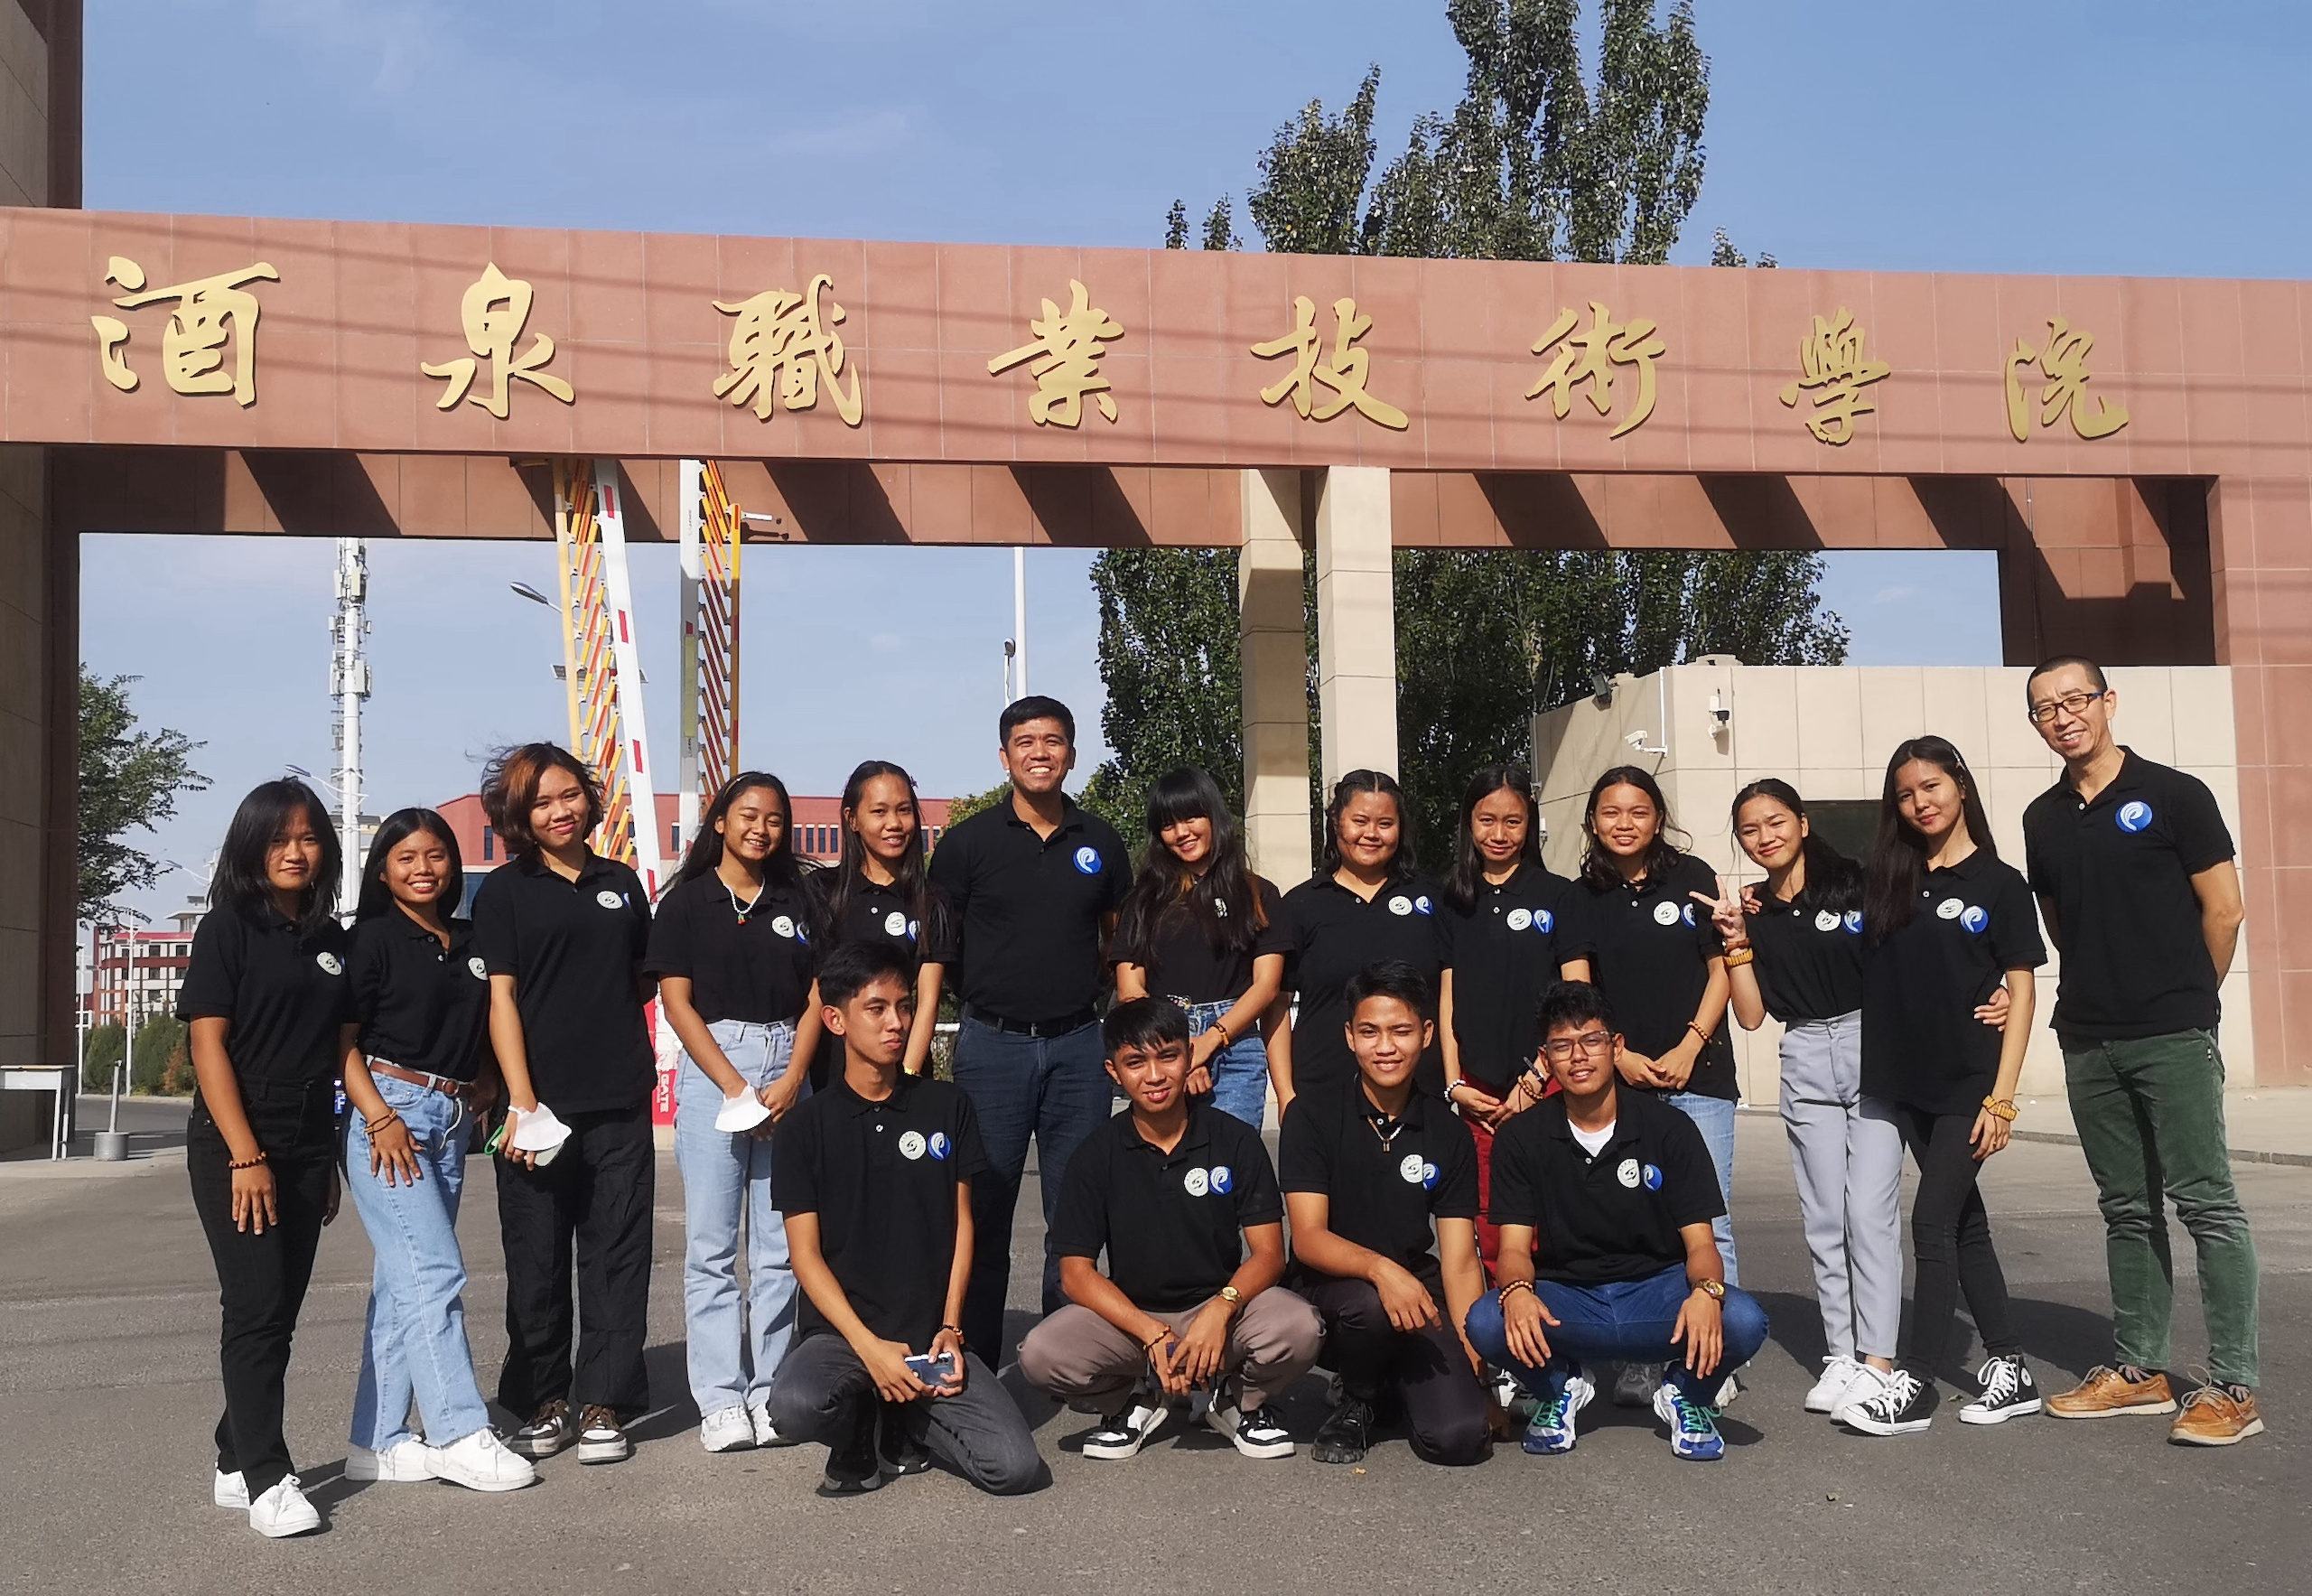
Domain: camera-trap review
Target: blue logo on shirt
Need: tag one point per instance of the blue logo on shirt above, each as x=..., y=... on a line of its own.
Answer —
x=1428, y=1176
x=1652, y=1176
x=1423, y=904
x=1853, y=922
x=1975, y=918
x=1087, y=860
x=1688, y=914
x=2134, y=814
x=1544, y=921
x=939, y=1146
x=1222, y=1178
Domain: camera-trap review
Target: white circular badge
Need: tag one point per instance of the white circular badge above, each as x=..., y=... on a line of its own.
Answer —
x=1949, y=909
x=1400, y=904
x=1826, y=922
x=1196, y=1182
x=609, y=900
x=895, y=924
x=783, y=925
x=1628, y=1173
x=1665, y=913
x=911, y=1145
x=329, y=963
x=1409, y=1167
x=480, y=971
x=1519, y=919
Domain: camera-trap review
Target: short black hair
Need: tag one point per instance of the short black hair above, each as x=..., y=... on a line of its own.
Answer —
x=1146, y=1022
x=1573, y=1002
x=2056, y=662
x=1035, y=707
x=851, y=968
x=1392, y=978
x=240, y=882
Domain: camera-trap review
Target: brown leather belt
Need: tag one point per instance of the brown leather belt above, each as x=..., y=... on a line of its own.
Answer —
x=462, y=1090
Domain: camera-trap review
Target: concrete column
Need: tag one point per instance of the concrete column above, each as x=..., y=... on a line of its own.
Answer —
x=1356, y=624
x=1273, y=653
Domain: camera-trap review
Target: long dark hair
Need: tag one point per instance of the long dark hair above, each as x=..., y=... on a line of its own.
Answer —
x=1597, y=865
x=1833, y=880
x=1403, y=863
x=911, y=881
x=241, y=883
x=1468, y=865
x=509, y=789
x=705, y=856
x=1163, y=885
x=396, y=828
x=1899, y=853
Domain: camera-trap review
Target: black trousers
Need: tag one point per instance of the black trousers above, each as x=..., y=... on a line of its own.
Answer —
x=1445, y=1407
x=261, y=1280
x=596, y=1195
x=1951, y=1243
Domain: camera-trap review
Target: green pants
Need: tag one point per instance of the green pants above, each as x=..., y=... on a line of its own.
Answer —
x=2150, y=1119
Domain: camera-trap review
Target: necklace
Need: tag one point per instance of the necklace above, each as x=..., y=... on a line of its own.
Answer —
x=748, y=908
x=1385, y=1129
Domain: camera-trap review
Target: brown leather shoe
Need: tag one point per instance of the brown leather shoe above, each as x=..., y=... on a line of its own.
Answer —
x=2213, y=1416
x=2106, y=1393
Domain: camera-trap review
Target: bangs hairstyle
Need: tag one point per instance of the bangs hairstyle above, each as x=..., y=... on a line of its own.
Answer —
x=1146, y=1023
x=1833, y=880
x=1468, y=865
x=927, y=905
x=1899, y=853
x=854, y=967
x=510, y=787
x=1597, y=864
x=1164, y=887
x=705, y=856
x=1391, y=978
x=241, y=883
x=1572, y=1004
x=1034, y=707
x=396, y=828
x=1403, y=862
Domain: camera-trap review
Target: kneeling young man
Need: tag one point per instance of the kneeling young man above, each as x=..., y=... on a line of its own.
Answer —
x=873, y=1177
x=1365, y=1171
x=1178, y=1194
x=1605, y=1200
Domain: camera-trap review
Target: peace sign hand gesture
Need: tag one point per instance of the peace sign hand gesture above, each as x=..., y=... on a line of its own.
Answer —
x=1725, y=912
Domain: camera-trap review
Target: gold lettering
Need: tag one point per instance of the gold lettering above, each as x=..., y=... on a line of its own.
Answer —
x=1066, y=355
x=1589, y=357
x=1833, y=366
x=1344, y=372
x=210, y=314
x=782, y=349
x=495, y=310
x=2062, y=362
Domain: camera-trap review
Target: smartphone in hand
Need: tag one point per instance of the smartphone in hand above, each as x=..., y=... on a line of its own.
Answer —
x=933, y=1370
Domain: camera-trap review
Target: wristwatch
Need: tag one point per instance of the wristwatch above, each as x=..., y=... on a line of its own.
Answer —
x=1232, y=1296
x=1715, y=1290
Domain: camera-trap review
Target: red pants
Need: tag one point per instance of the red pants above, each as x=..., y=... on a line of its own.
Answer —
x=1489, y=1233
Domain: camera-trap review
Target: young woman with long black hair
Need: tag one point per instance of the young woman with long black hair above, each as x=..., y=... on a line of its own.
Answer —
x=731, y=949
x=1366, y=902
x=265, y=993
x=1200, y=928
x=562, y=931
x=417, y=1068
x=879, y=890
x=1946, y=921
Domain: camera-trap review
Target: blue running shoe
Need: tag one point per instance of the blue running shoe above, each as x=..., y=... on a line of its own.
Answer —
x=1550, y=1432
x=1694, y=1428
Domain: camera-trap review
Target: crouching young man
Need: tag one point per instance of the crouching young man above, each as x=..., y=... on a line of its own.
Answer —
x=1182, y=1199
x=1366, y=1172
x=873, y=1177
x=1605, y=1200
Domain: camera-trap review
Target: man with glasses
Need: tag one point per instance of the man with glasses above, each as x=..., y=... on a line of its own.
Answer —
x=1605, y=1203
x=2133, y=870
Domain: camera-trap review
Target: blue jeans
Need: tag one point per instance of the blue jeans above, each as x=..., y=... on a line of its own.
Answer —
x=732, y=1354
x=414, y=1344
x=1054, y=1089
x=1239, y=1070
x=1714, y=1118
x=1625, y=1321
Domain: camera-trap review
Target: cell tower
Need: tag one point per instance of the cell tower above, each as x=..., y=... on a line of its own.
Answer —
x=710, y=525
x=349, y=682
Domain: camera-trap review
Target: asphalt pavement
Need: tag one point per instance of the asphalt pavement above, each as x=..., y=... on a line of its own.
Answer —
x=109, y=1391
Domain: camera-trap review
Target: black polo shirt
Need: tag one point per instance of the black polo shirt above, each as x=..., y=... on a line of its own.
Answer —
x=1650, y=947
x=881, y=1177
x=419, y=1004
x=1808, y=961
x=1385, y=1181
x=284, y=991
x=1615, y=1216
x=1503, y=955
x=1031, y=908
x=883, y=914
x=2118, y=874
x=1171, y=1223
x=1922, y=1045
x=1336, y=934
x=574, y=949
x=745, y=960
x=1181, y=961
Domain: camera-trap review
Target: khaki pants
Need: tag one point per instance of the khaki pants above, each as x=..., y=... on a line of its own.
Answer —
x=1093, y=1367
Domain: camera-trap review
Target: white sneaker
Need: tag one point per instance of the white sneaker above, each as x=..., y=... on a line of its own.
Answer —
x=766, y=1433
x=284, y=1511
x=1868, y=1384
x=480, y=1462
x=404, y=1462
x=231, y=1490
x=1838, y=1374
x=727, y=1429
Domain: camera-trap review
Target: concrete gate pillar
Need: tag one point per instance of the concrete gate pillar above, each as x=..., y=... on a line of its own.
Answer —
x=1356, y=628
x=1273, y=653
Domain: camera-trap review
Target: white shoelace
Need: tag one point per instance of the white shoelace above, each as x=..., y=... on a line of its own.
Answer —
x=1902, y=1388
x=1999, y=1380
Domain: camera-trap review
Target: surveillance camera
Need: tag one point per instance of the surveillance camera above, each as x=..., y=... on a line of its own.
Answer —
x=1636, y=739
x=1721, y=714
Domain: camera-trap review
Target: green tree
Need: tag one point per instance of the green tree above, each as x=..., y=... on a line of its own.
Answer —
x=99, y=1054
x=158, y=1040
x=130, y=777
x=1168, y=659
x=964, y=808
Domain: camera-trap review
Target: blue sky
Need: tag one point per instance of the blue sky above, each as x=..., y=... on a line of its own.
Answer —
x=2118, y=137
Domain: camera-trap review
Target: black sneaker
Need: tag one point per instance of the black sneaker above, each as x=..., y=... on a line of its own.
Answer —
x=2009, y=1393
x=548, y=1432
x=853, y=1469
x=901, y=1451
x=602, y=1439
x=1121, y=1435
x=1257, y=1431
x=1906, y=1404
x=1346, y=1435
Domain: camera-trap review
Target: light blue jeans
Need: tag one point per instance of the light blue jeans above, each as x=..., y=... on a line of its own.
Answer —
x=1714, y=1118
x=1239, y=1070
x=733, y=1350
x=414, y=1345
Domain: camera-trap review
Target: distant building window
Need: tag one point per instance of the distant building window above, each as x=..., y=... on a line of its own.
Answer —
x=489, y=844
x=674, y=837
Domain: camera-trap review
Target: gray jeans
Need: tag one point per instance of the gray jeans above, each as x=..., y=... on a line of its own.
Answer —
x=822, y=1389
x=1848, y=1155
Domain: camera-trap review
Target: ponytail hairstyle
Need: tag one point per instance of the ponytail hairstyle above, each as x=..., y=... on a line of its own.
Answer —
x=1899, y=853
x=241, y=883
x=377, y=898
x=705, y=856
x=927, y=905
x=1833, y=880
x=509, y=787
x=1598, y=872
x=1402, y=863
x=1163, y=886
x=1468, y=865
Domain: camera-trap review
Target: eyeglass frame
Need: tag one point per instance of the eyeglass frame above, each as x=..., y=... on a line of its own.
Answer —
x=2042, y=714
x=1593, y=1041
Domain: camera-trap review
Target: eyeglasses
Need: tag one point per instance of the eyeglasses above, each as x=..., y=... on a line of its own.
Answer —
x=2072, y=704
x=1595, y=1041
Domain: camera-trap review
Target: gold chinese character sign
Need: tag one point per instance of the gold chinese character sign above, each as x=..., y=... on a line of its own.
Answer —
x=495, y=310
x=212, y=313
x=1833, y=368
x=1588, y=357
x=2062, y=360
x=1344, y=372
x=782, y=349
x=1065, y=356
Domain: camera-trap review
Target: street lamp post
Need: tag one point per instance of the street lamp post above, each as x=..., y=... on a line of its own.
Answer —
x=112, y=1143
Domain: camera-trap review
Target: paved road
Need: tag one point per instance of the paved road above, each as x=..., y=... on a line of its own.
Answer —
x=107, y=1390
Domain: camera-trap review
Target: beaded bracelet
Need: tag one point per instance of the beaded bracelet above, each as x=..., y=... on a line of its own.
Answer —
x=248, y=1164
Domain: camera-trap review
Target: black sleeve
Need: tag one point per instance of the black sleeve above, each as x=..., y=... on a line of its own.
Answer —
x=671, y=952
x=2202, y=839
x=1276, y=934
x=1689, y=1180
x=1445, y=929
x=951, y=865
x=1302, y=1160
x=497, y=935
x=1080, y=1225
x=795, y=1162
x=2015, y=941
x=1258, y=1202
x=936, y=937
x=1516, y=1196
x=1115, y=862
x=971, y=1152
x=1569, y=934
x=637, y=908
x=212, y=974
x=1700, y=877
x=365, y=977
x=1455, y=1196
x=2034, y=856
